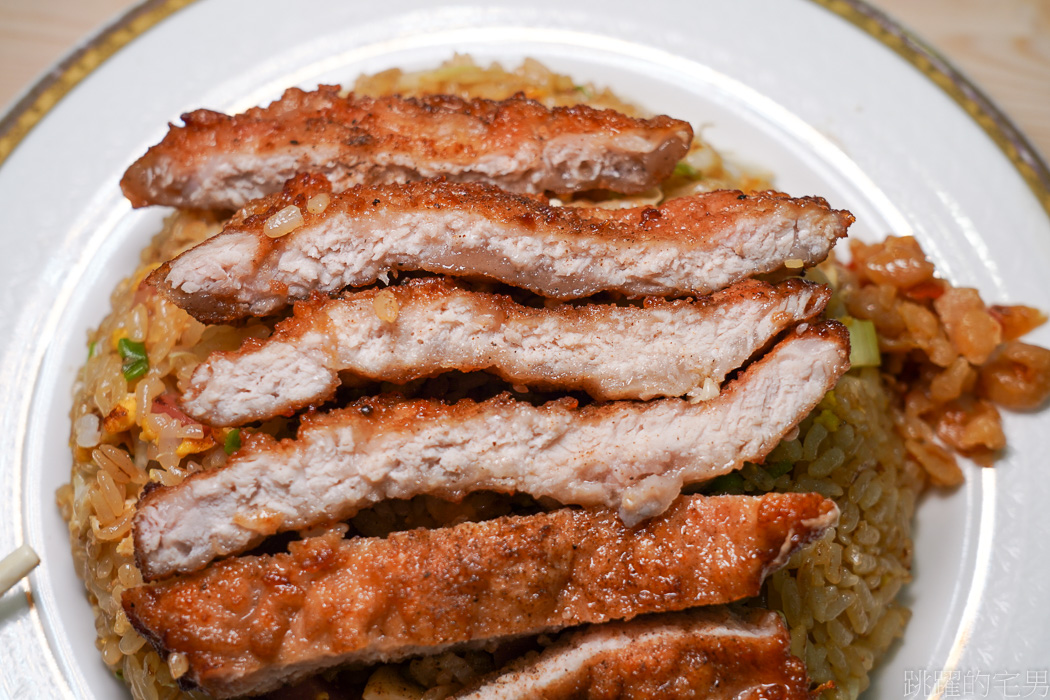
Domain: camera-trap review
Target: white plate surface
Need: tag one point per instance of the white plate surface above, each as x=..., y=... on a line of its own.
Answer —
x=784, y=84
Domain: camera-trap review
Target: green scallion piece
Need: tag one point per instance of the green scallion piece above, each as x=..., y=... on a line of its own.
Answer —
x=727, y=483
x=583, y=90
x=233, y=441
x=133, y=354
x=683, y=169
x=134, y=370
x=92, y=346
x=779, y=469
x=131, y=350
x=863, y=343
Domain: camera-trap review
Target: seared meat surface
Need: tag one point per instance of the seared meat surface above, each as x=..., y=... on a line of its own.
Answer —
x=216, y=161
x=687, y=246
x=429, y=326
x=628, y=455
x=706, y=654
x=250, y=624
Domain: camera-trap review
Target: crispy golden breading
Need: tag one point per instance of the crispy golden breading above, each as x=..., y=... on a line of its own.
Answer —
x=250, y=624
x=428, y=326
x=702, y=654
x=687, y=246
x=630, y=455
x=217, y=161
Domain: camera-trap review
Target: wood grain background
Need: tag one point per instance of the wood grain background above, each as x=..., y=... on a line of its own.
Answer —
x=1002, y=45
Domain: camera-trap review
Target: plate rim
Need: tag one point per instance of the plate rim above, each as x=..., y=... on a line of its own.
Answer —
x=168, y=7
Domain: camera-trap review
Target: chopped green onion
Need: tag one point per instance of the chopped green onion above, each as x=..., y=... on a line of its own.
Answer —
x=683, y=169
x=131, y=350
x=134, y=370
x=233, y=441
x=583, y=90
x=119, y=673
x=728, y=483
x=136, y=363
x=91, y=348
x=863, y=343
x=779, y=469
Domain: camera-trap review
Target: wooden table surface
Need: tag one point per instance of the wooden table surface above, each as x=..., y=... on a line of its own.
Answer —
x=1002, y=45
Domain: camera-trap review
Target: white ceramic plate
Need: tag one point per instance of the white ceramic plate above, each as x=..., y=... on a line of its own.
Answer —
x=785, y=84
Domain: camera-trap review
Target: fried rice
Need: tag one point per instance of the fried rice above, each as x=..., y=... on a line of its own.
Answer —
x=873, y=444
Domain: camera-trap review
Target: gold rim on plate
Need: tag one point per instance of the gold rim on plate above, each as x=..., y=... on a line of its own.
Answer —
x=49, y=90
x=34, y=105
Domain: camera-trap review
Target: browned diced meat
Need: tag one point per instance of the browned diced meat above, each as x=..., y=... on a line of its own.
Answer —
x=429, y=326
x=247, y=625
x=705, y=654
x=632, y=456
x=687, y=246
x=217, y=161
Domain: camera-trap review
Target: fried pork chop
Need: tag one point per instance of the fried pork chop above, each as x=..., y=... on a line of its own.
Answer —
x=687, y=246
x=430, y=326
x=217, y=161
x=250, y=624
x=632, y=456
x=706, y=654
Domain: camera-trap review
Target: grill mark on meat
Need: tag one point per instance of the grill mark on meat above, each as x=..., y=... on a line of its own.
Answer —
x=217, y=161
x=698, y=244
x=627, y=455
x=441, y=326
x=249, y=624
x=710, y=653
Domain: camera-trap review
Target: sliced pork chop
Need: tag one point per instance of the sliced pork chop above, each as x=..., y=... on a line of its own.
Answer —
x=688, y=246
x=250, y=624
x=707, y=653
x=429, y=326
x=627, y=455
x=217, y=161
